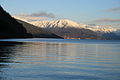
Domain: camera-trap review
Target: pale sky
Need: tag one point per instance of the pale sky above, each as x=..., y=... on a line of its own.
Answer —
x=104, y=12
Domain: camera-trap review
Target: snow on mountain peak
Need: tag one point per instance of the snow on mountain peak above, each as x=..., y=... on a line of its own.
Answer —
x=65, y=23
x=56, y=23
x=101, y=28
x=68, y=23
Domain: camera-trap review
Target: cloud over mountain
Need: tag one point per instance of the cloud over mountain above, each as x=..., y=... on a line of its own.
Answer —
x=43, y=14
x=37, y=16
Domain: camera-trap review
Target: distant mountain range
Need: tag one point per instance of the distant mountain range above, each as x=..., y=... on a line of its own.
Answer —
x=72, y=30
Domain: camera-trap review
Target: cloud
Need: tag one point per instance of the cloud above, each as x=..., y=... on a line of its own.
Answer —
x=43, y=14
x=22, y=15
x=117, y=9
x=109, y=20
x=38, y=14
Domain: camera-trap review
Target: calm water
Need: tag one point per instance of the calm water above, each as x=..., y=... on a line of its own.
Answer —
x=59, y=59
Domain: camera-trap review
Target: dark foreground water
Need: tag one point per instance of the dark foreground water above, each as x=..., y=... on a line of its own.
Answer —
x=59, y=59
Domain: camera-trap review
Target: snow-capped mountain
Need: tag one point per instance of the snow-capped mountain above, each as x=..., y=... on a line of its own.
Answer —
x=37, y=32
x=67, y=29
x=70, y=29
x=57, y=23
x=64, y=23
x=101, y=28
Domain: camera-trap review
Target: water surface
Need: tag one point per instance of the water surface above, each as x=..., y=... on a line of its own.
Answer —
x=59, y=59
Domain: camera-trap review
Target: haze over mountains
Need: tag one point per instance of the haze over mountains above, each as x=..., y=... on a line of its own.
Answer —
x=69, y=29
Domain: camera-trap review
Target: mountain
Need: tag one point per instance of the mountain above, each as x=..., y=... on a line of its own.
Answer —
x=105, y=32
x=10, y=28
x=57, y=23
x=72, y=30
x=37, y=32
x=64, y=23
x=66, y=29
x=101, y=28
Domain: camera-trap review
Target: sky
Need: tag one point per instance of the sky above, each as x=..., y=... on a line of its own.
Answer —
x=101, y=12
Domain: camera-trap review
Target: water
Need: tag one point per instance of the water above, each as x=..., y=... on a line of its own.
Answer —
x=59, y=59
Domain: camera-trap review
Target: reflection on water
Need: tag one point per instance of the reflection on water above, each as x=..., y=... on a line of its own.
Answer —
x=59, y=61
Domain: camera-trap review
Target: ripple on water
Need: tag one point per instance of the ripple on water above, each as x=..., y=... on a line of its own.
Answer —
x=60, y=61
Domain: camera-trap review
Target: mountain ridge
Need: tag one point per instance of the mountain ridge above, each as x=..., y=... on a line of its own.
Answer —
x=69, y=29
x=65, y=23
x=37, y=32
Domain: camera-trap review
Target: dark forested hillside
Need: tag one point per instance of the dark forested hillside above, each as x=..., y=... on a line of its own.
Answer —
x=10, y=28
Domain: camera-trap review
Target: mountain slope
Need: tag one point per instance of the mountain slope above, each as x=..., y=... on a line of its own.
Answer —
x=70, y=29
x=64, y=23
x=57, y=23
x=10, y=28
x=37, y=32
x=66, y=29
